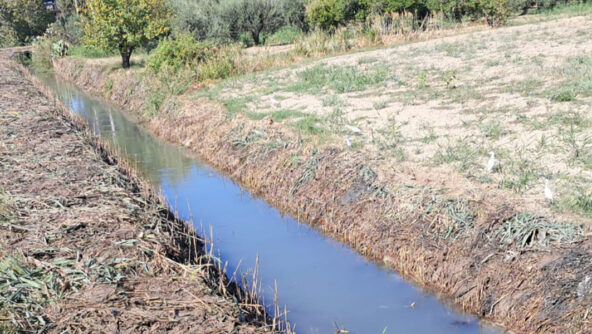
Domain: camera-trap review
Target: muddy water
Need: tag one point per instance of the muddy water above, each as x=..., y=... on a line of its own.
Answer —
x=323, y=284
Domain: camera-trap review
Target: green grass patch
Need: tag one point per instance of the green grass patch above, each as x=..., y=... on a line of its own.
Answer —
x=367, y=60
x=563, y=95
x=256, y=116
x=519, y=174
x=527, y=87
x=237, y=105
x=333, y=100
x=284, y=114
x=82, y=51
x=340, y=79
x=580, y=201
x=309, y=126
x=493, y=129
x=461, y=153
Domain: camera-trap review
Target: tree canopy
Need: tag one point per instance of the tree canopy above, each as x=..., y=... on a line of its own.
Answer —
x=21, y=20
x=124, y=25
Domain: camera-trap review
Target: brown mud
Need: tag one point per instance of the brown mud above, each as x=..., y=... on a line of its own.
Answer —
x=85, y=245
x=474, y=247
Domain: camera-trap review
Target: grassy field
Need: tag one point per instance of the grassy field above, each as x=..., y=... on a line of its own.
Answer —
x=523, y=93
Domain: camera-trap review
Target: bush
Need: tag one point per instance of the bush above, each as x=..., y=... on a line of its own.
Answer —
x=496, y=12
x=286, y=35
x=42, y=58
x=179, y=52
x=329, y=14
x=294, y=14
x=202, y=60
x=246, y=40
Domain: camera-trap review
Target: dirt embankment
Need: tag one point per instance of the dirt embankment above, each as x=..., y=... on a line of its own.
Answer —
x=85, y=245
x=474, y=246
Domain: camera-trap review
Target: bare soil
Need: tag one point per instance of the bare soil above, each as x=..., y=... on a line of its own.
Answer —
x=406, y=194
x=85, y=245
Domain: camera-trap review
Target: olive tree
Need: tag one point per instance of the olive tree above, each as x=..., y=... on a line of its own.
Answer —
x=124, y=25
x=254, y=17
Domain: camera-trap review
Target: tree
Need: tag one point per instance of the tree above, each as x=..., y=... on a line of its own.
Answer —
x=254, y=17
x=124, y=25
x=20, y=20
x=329, y=14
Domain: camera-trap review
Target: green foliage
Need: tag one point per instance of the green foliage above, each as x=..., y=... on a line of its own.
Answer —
x=180, y=52
x=42, y=55
x=340, y=79
x=21, y=20
x=86, y=51
x=124, y=25
x=254, y=17
x=329, y=14
x=496, y=12
x=285, y=35
x=246, y=39
x=417, y=7
x=201, y=18
x=247, y=21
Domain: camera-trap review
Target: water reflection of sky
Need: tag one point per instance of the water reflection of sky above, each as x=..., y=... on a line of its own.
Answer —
x=321, y=282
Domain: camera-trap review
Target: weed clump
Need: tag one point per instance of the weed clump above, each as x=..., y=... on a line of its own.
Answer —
x=527, y=230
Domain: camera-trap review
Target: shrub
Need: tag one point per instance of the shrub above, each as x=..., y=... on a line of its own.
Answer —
x=246, y=40
x=179, y=52
x=285, y=35
x=329, y=14
x=419, y=8
x=222, y=64
x=294, y=14
x=496, y=12
x=456, y=9
x=42, y=58
x=202, y=60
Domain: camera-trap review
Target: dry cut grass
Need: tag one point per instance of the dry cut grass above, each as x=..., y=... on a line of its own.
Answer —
x=86, y=246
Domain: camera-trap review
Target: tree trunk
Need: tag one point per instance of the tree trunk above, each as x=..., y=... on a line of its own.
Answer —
x=255, y=36
x=125, y=58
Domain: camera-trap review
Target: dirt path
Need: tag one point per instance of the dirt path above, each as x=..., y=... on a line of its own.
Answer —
x=85, y=246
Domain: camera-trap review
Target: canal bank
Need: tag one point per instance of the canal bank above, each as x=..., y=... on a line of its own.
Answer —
x=85, y=244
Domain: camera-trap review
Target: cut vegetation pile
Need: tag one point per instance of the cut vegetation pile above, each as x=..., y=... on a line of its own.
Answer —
x=386, y=150
x=85, y=246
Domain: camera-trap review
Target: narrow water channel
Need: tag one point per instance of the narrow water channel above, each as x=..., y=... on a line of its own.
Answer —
x=322, y=283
